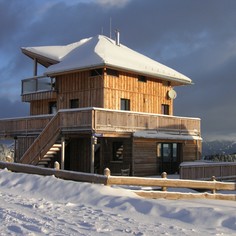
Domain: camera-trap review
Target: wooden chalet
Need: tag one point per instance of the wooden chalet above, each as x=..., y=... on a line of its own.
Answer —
x=100, y=104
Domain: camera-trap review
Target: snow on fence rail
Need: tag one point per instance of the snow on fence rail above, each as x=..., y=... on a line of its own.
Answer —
x=163, y=183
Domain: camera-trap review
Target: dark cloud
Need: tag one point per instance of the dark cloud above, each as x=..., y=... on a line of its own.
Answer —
x=196, y=38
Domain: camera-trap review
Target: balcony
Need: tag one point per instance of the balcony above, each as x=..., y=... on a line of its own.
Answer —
x=37, y=88
x=103, y=122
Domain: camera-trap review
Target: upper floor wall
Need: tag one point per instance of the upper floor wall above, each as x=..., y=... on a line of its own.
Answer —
x=104, y=88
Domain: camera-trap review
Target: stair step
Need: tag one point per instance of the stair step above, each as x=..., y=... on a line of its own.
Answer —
x=51, y=152
x=48, y=156
x=56, y=149
x=57, y=145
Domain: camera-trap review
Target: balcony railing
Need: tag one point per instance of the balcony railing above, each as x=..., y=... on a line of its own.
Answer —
x=37, y=84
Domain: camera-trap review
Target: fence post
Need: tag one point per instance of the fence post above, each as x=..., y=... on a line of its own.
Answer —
x=164, y=176
x=213, y=178
x=56, y=165
x=107, y=173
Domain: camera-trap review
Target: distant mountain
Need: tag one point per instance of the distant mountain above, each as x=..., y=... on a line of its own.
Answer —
x=218, y=148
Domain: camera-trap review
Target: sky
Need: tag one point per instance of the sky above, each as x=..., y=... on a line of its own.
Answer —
x=196, y=38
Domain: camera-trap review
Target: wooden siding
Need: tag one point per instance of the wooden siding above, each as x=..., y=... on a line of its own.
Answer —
x=40, y=107
x=144, y=96
x=145, y=161
x=78, y=154
x=88, y=89
x=192, y=150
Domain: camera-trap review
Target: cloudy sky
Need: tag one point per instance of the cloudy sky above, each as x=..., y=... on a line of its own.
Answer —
x=197, y=38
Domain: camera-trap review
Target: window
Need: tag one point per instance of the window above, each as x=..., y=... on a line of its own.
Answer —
x=165, y=109
x=74, y=103
x=52, y=107
x=112, y=72
x=125, y=104
x=166, y=83
x=96, y=72
x=142, y=78
x=168, y=151
x=117, y=151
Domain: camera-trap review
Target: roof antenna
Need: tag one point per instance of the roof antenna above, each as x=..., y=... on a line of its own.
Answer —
x=117, y=37
x=110, y=27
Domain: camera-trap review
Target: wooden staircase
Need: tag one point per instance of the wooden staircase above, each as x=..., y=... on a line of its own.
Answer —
x=49, y=158
x=43, y=146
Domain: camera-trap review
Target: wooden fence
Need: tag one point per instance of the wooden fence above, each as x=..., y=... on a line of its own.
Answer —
x=163, y=183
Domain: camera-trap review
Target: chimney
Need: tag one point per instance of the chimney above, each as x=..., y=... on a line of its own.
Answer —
x=117, y=37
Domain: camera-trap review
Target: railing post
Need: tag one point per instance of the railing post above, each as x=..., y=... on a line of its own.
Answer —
x=164, y=176
x=213, y=178
x=107, y=173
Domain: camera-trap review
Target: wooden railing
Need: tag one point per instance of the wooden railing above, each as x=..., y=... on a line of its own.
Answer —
x=102, y=120
x=162, y=183
x=115, y=120
x=43, y=142
x=23, y=126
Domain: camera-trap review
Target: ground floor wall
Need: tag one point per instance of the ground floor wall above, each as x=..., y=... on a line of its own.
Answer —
x=142, y=156
x=154, y=156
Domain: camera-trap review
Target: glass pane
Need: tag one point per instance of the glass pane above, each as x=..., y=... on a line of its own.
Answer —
x=166, y=152
x=174, y=152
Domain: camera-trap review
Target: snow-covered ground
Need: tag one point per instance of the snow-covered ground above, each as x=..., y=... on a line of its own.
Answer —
x=37, y=205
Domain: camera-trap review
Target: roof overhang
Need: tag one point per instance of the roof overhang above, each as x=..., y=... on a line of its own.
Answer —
x=44, y=61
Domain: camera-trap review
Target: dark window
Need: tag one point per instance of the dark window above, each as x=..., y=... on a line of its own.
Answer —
x=52, y=107
x=166, y=83
x=112, y=72
x=142, y=78
x=125, y=104
x=168, y=155
x=165, y=109
x=74, y=103
x=117, y=150
x=96, y=72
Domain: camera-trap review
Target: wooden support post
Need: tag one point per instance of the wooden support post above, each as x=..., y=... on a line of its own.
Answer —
x=35, y=66
x=164, y=176
x=93, y=143
x=213, y=178
x=92, y=155
x=62, y=153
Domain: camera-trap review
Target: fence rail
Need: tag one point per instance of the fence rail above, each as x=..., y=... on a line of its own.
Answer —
x=163, y=182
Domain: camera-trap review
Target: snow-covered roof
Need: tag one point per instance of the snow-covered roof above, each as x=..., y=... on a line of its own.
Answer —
x=100, y=51
x=162, y=135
